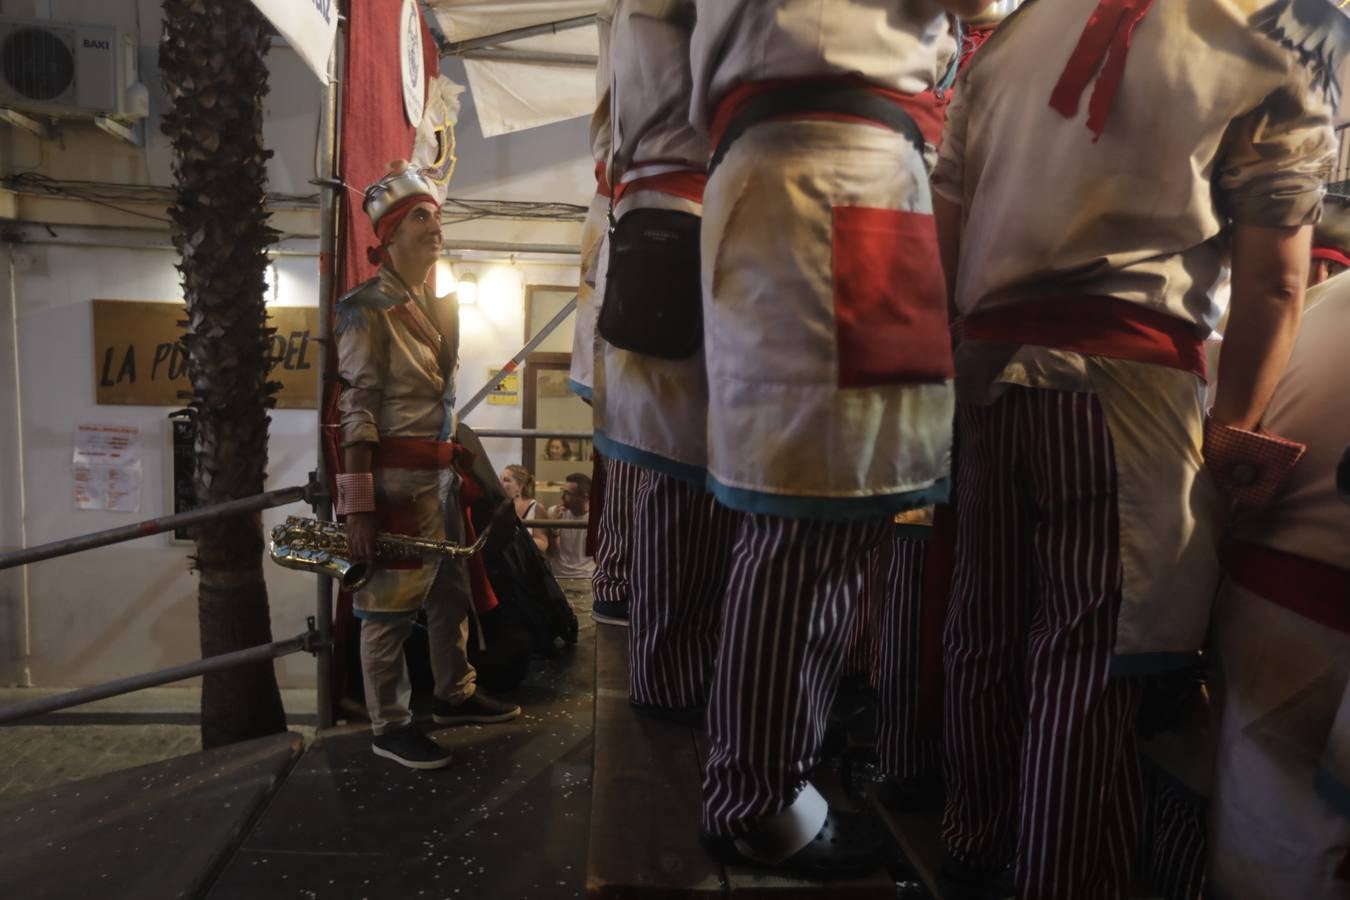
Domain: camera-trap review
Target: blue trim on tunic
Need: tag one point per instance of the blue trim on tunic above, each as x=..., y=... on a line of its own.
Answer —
x=580, y=390
x=645, y=459
x=795, y=506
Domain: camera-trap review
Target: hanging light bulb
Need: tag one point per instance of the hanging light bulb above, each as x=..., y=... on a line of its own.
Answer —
x=467, y=289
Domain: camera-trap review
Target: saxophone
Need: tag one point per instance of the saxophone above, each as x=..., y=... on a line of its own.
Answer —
x=311, y=545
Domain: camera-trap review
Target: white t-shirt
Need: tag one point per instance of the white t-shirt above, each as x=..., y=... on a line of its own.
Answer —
x=567, y=553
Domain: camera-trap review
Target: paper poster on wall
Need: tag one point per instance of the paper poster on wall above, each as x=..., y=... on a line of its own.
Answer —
x=139, y=361
x=106, y=467
x=505, y=388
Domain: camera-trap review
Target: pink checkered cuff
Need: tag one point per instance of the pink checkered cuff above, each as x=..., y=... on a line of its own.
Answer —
x=355, y=493
x=1249, y=466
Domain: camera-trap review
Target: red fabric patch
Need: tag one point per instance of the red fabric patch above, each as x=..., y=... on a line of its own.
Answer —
x=890, y=299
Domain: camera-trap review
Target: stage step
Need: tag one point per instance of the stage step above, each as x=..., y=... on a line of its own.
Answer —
x=159, y=830
x=645, y=807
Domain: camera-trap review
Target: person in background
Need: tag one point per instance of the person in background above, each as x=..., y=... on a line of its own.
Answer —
x=558, y=449
x=519, y=486
x=1331, y=241
x=1280, y=813
x=567, y=546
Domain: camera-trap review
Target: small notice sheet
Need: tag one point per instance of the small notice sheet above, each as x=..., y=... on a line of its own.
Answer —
x=107, y=467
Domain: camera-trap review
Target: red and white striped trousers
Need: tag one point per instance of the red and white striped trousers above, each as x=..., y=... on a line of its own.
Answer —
x=611, y=579
x=1041, y=758
x=681, y=549
x=904, y=750
x=790, y=602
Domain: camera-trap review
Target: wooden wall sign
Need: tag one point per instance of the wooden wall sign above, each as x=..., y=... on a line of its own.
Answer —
x=139, y=361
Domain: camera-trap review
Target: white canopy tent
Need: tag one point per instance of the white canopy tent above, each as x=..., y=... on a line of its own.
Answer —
x=529, y=62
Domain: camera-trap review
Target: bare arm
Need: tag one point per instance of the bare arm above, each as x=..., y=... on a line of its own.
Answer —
x=1270, y=271
x=356, y=459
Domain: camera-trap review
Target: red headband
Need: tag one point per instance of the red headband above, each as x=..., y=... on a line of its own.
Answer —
x=389, y=223
x=1334, y=254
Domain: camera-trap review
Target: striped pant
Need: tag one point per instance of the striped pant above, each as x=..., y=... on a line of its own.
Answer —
x=1040, y=753
x=681, y=548
x=860, y=653
x=903, y=748
x=790, y=602
x=611, y=579
x=1173, y=845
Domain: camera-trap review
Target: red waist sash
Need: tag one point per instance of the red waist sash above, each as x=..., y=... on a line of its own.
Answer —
x=1315, y=590
x=414, y=453
x=923, y=108
x=686, y=184
x=1098, y=326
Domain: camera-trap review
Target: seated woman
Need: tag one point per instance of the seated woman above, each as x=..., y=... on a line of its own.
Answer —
x=519, y=486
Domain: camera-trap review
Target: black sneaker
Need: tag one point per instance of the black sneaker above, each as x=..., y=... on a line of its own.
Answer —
x=408, y=746
x=478, y=708
x=610, y=612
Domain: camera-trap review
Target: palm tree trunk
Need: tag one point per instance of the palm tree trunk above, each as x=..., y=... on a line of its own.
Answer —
x=212, y=58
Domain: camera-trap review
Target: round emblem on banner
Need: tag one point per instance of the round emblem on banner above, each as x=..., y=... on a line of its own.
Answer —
x=410, y=59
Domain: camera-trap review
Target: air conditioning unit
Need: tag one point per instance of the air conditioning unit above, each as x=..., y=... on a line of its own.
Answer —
x=64, y=69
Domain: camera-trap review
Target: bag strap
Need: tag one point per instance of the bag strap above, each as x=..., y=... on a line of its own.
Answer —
x=848, y=101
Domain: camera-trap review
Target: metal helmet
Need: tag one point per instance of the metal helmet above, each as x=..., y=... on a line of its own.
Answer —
x=392, y=189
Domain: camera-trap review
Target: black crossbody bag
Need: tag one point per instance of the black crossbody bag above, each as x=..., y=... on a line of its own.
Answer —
x=653, y=301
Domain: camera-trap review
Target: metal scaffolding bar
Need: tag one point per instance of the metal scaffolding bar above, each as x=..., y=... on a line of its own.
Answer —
x=261, y=653
x=67, y=546
x=519, y=358
x=515, y=34
x=503, y=54
x=532, y=433
x=329, y=115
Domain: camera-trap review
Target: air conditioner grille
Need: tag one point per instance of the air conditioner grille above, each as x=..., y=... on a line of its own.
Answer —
x=37, y=63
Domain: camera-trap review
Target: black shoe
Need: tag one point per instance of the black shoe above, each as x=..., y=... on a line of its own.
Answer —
x=610, y=612
x=849, y=845
x=408, y=746
x=478, y=708
x=911, y=795
x=678, y=715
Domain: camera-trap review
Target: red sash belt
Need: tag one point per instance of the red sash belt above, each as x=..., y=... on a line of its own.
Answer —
x=923, y=108
x=686, y=184
x=414, y=453
x=1315, y=590
x=1098, y=326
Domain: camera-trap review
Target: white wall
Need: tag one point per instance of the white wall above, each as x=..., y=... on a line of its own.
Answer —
x=132, y=608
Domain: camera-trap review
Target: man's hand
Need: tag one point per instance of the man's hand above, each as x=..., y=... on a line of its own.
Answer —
x=361, y=536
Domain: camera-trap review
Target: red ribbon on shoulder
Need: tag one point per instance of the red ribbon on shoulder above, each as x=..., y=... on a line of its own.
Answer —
x=1104, y=44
